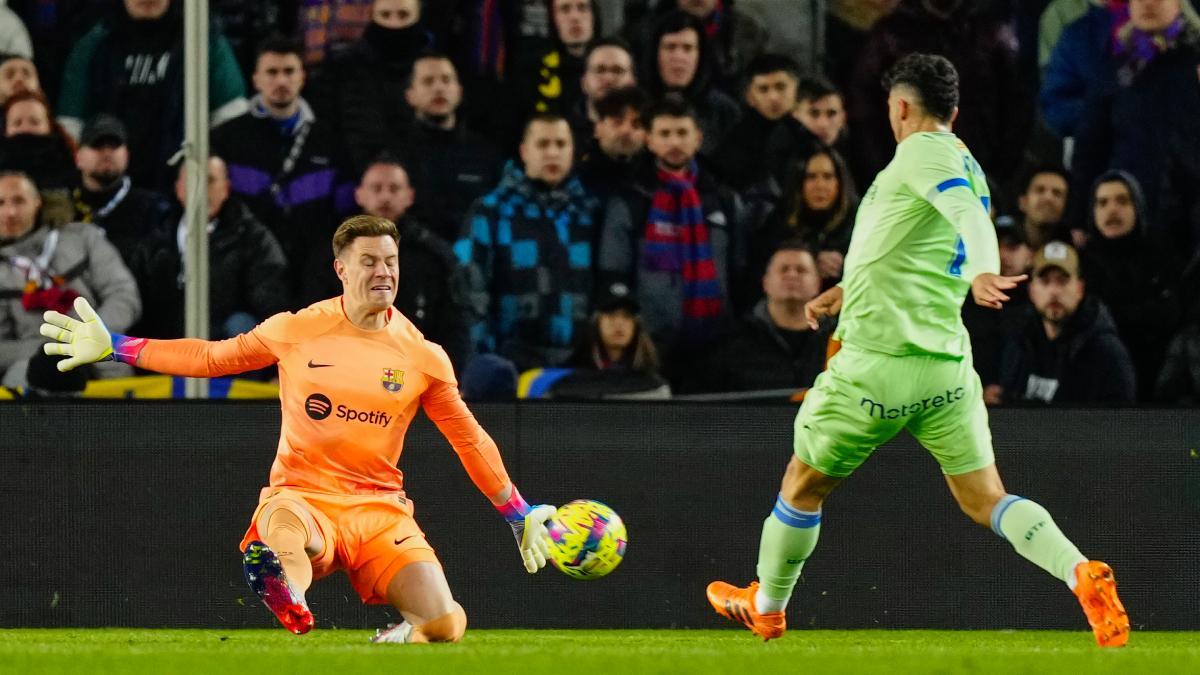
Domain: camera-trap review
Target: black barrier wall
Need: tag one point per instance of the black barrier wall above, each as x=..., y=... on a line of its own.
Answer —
x=129, y=514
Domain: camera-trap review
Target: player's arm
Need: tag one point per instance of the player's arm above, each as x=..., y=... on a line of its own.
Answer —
x=977, y=257
x=87, y=340
x=481, y=458
x=939, y=175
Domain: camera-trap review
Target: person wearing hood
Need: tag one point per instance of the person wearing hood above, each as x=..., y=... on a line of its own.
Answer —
x=130, y=66
x=1136, y=277
x=1065, y=348
x=247, y=269
x=360, y=91
x=527, y=250
x=678, y=60
x=736, y=37
x=733, y=38
x=285, y=166
x=47, y=268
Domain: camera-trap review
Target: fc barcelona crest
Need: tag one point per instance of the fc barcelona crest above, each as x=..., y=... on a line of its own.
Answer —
x=392, y=379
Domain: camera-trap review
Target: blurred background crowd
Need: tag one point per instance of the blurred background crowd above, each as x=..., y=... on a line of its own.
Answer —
x=600, y=198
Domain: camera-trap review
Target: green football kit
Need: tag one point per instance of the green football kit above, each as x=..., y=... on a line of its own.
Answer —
x=922, y=234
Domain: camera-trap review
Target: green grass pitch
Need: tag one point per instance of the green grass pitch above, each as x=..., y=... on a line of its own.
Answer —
x=571, y=652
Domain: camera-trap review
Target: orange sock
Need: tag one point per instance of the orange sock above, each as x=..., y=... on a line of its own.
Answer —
x=446, y=628
x=286, y=535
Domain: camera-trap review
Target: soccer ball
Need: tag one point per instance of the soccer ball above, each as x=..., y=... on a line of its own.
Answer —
x=587, y=539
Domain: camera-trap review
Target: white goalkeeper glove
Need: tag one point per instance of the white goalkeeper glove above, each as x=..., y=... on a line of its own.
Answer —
x=84, y=341
x=532, y=537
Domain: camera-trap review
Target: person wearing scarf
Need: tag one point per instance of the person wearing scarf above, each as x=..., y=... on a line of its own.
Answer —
x=674, y=235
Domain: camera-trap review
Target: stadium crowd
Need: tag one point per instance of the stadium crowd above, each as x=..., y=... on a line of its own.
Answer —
x=598, y=197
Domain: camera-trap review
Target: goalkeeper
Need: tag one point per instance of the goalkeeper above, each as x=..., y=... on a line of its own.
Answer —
x=352, y=373
x=922, y=239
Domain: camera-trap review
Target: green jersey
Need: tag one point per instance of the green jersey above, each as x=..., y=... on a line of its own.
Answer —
x=922, y=234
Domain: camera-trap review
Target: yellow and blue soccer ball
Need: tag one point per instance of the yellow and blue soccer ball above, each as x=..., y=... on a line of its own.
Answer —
x=587, y=539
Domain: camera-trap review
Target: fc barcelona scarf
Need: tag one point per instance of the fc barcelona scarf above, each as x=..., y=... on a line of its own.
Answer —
x=677, y=240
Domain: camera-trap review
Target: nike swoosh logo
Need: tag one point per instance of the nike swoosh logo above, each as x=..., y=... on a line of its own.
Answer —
x=401, y=541
x=319, y=365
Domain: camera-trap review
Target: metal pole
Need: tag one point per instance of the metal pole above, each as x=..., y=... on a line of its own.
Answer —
x=195, y=155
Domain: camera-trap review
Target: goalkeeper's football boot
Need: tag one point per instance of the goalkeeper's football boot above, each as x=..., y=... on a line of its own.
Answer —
x=737, y=604
x=1096, y=589
x=265, y=576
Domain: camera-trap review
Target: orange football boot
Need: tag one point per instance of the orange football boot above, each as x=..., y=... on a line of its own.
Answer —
x=737, y=604
x=1097, y=592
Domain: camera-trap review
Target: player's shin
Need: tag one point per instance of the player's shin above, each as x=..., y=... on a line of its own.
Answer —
x=1032, y=532
x=789, y=536
x=287, y=536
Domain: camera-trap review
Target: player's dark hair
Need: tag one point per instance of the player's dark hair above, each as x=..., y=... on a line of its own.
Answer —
x=363, y=226
x=768, y=64
x=617, y=101
x=815, y=88
x=279, y=44
x=1047, y=167
x=671, y=105
x=932, y=77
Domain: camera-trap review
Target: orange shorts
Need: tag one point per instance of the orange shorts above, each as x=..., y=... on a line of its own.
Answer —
x=370, y=536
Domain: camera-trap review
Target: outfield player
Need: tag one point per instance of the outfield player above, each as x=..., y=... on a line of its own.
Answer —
x=353, y=372
x=921, y=240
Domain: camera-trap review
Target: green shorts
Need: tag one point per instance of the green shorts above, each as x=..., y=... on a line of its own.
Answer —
x=865, y=398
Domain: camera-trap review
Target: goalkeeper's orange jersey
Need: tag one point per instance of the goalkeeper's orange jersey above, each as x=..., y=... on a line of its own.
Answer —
x=347, y=396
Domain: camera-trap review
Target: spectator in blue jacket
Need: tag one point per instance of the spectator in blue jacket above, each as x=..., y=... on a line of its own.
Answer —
x=527, y=249
x=1080, y=61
